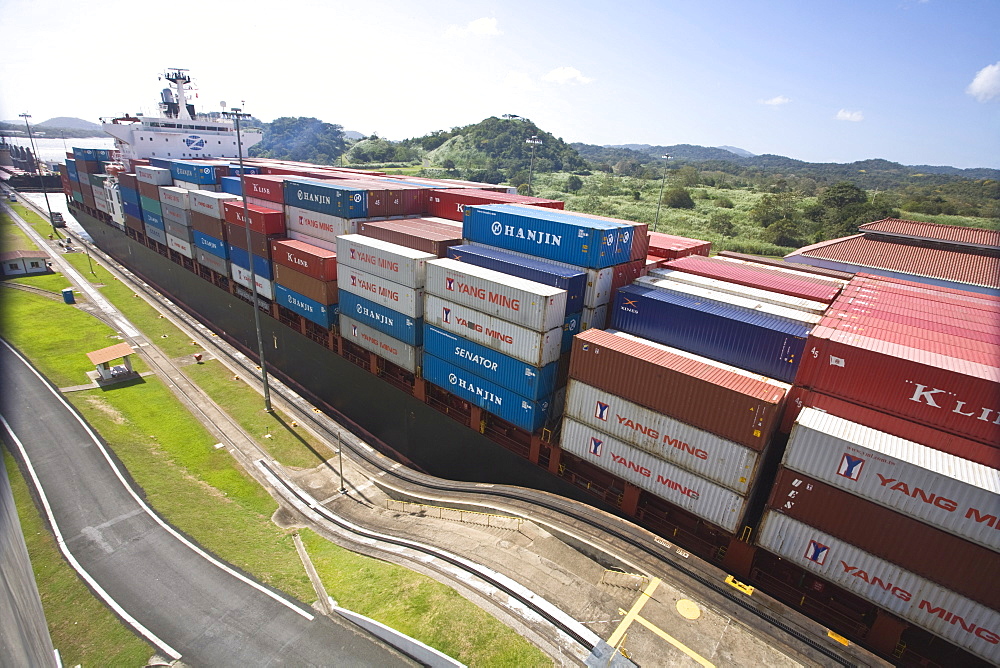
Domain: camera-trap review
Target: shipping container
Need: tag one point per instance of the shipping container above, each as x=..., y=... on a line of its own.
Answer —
x=594, y=318
x=398, y=326
x=519, y=411
x=176, y=197
x=257, y=218
x=909, y=430
x=934, y=388
x=213, y=262
x=323, y=315
x=260, y=244
x=519, y=377
x=399, y=298
x=210, y=244
x=313, y=261
x=929, y=552
x=738, y=290
x=231, y=185
x=951, y=493
x=209, y=203
x=672, y=247
x=176, y=214
x=242, y=258
x=759, y=341
x=180, y=231
x=326, y=197
x=146, y=203
x=536, y=348
x=312, y=241
x=533, y=305
x=570, y=328
x=186, y=185
x=156, y=234
x=556, y=235
x=815, y=288
x=153, y=219
x=399, y=264
x=241, y=276
x=723, y=400
x=401, y=354
x=707, y=500
x=322, y=292
x=318, y=225
x=182, y=246
x=451, y=203
x=783, y=264
x=955, y=341
x=924, y=292
x=152, y=175
x=717, y=459
x=944, y=613
x=640, y=233
x=214, y=227
x=423, y=234
x=134, y=223
x=198, y=173
x=270, y=188
x=922, y=315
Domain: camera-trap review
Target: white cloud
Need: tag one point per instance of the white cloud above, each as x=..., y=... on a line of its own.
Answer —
x=776, y=101
x=853, y=116
x=484, y=27
x=986, y=85
x=567, y=75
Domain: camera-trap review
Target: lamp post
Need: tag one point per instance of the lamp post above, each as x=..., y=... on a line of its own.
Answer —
x=236, y=114
x=659, y=201
x=534, y=141
x=38, y=170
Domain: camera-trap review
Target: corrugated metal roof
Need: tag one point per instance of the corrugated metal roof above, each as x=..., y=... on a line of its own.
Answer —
x=19, y=254
x=942, y=263
x=935, y=232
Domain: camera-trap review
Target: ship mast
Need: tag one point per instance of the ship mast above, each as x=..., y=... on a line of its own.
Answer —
x=180, y=78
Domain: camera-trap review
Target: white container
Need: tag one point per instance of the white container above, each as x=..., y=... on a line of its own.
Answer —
x=156, y=176
x=102, y=205
x=266, y=203
x=399, y=264
x=315, y=241
x=176, y=214
x=707, y=455
x=188, y=185
x=180, y=245
x=948, y=492
x=174, y=196
x=527, y=303
x=242, y=276
x=713, y=503
x=315, y=224
x=213, y=262
x=535, y=348
x=594, y=317
x=180, y=231
x=382, y=291
x=757, y=294
x=100, y=195
x=928, y=605
x=401, y=354
x=209, y=203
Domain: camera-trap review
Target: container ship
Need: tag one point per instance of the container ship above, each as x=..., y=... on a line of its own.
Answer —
x=828, y=437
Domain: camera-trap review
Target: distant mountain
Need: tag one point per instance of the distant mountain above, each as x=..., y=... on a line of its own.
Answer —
x=69, y=123
x=353, y=135
x=743, y=153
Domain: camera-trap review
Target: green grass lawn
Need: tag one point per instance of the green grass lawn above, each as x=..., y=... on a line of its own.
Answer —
x=83, y=630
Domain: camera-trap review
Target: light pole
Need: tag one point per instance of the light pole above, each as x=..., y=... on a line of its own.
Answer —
x=38, y=170
x=534, y=141
x=236, y=114
x=659, y=201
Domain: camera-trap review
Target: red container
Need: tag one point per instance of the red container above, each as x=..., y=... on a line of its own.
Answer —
x=134, y=223
x=260, y=243
x=876, y=291
x=625, y=273
x=673, y=247
x=310, y=260
x=262, y=186
x=919, y=314
x=263, y=220
x=390, y=200
x=913, y=286
x=934, y=388
x=418, y=233
x=782, y=264
x=954, y=563
x=451, y=203
x=149, y=190
x=205, y=224
x=799, y=398
x=817, y=289
x=324, y=292
x=740, y=406
x=128, y=181
x=974, y=346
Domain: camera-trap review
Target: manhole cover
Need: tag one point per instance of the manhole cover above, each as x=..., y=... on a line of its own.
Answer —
x=688, y=609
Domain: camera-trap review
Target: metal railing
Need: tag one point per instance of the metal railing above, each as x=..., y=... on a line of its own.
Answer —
x=456, y=515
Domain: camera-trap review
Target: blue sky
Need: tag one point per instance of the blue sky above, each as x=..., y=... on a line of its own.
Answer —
x=912, y=81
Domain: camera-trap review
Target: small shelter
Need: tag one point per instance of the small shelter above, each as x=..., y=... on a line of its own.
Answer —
x=24, y=263
x=102, y=359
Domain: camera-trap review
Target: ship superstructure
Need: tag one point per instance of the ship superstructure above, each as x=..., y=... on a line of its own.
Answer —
x=178, y=132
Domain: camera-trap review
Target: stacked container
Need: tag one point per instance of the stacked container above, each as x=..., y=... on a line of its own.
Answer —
x=431, y=235
x=149, y=181
x=262, y=225
x=208, y=229
x=175, y=205
x=451, y=203
x=668, y=246
x=305, y=280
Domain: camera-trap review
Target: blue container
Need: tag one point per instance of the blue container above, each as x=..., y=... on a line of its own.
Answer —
x=232, y=185
x=131, y=196
x=549, y=233
x=156, y=234
x=326, y=197
x=574, y=282
x=162, y=163
x=759, y=342
x=151, y=205
x=571, y=327
x=312, y=310
x=209, y=244
x=154, y=219
x=74, y=175
x=510, y=406
x=102, y=154
x=89, y=154
x=131, y=209
x=261, y=265
x=519, y=377
x=193, y=172
x=395, y=324
x=234, y=170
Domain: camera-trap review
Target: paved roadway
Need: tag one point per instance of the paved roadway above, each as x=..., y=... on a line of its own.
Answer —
x=187, y=603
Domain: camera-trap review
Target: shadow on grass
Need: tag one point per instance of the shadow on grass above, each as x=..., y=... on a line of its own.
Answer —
x=325, y=461
x=131, y=382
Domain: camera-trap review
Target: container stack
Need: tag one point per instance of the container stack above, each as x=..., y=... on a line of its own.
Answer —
x=450, y=203
x=128, y=190
x=684, y=428
x=175, y=205
x=262, y=225
x=430, y=235
x=314, y=212
x=664, y=247
x=149, y=179
x=208, y=229
x=305, y=280
x=494, y=340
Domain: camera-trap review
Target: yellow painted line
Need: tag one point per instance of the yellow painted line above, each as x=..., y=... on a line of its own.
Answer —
x=634, y=612
x=675, y=642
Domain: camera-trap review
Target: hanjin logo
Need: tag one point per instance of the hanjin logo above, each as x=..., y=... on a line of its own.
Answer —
x=452, y=378
x=446, y=315
x=449, y=284
x=850, y=467
x=601, y=411
x=596, y=445
x=817, y=552
x=496, y=228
